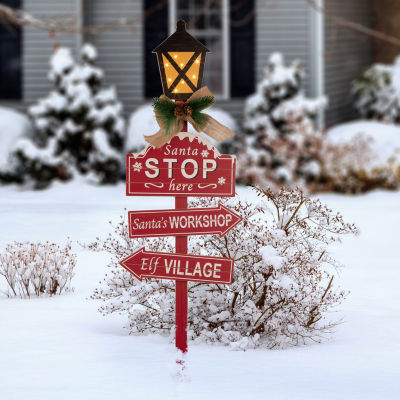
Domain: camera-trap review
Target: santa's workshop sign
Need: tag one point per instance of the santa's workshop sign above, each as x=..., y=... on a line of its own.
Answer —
x=193, y=221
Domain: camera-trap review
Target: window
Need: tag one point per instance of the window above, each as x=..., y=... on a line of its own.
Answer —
x=155, y=31
x=226, y=27
x=10, y=57
x=208, y=22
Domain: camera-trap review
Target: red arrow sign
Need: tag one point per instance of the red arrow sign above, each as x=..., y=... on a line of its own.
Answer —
x=194, y=221
x=147, y=264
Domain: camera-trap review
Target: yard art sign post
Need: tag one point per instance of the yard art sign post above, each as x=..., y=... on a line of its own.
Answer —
x=181, y=164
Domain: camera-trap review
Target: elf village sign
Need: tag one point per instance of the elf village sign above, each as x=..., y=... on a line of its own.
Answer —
x=181, y=164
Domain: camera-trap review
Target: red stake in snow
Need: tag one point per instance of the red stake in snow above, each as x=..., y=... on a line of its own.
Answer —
x=148, y=264
x=193, y=221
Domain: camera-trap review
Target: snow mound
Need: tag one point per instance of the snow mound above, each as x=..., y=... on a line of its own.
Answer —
x=384, y=138
x=142, y=122
x=13, y=125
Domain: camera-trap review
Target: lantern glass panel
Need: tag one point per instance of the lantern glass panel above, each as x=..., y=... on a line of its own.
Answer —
x=181, y=57
x=170, y=72
x=193, y=72
x=182, y=87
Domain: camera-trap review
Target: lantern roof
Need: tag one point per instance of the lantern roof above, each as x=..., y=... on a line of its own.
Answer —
x=181, y=41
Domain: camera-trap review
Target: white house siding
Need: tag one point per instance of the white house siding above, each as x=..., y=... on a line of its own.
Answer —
x=347, y=54
x=38, y=46
x=120, y=51
x=284, y=26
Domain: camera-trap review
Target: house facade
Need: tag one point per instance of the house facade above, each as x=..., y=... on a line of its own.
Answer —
x=241, y=35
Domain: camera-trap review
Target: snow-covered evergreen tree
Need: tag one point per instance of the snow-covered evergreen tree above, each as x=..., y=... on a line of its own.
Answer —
x=281, y=143
x=377, y=92
x=80, y=129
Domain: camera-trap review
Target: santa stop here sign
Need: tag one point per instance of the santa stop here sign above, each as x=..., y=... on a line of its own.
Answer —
x=188, y=165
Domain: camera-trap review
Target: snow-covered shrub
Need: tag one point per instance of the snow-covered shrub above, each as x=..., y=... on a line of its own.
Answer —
x=79, y=125
x=288, y=160
x=377, y=92
x=142, y=122
x=36, y=269
x=283, y=284
x=278, y=145
x=360, y=156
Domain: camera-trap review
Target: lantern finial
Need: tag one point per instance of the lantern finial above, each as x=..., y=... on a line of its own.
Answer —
x=181, y=25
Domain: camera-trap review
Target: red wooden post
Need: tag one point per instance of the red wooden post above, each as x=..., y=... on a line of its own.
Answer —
x=181, y=293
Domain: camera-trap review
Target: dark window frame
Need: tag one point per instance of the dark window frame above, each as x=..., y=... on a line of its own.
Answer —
x=10, y=57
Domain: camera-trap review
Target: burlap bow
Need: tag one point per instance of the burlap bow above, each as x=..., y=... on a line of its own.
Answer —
x=170, y=117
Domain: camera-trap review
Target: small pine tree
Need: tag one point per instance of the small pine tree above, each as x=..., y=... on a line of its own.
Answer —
x=80, y=129
x=376, y=92
x=281, y=143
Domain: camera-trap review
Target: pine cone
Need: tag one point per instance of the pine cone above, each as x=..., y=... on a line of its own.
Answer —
x=188, y=110
x=179, y=111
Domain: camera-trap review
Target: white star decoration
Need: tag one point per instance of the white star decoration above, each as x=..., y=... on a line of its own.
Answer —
x=204, y=153
x=137, y=166
x=221, y=181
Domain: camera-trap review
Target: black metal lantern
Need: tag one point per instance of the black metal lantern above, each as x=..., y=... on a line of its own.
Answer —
x=181, y=62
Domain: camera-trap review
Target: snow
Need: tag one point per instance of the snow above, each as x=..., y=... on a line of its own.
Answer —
x=271, y=256
x=294, y=108
x=60, y=62
x=396, y=77
x=13, y=125
x=89, y=51
x=104, y=150
x=108, y=95
x=384, y=138
x=45, y=154
x=282, y=74
x=54, y=101
x=142, y=122
x=61, y=347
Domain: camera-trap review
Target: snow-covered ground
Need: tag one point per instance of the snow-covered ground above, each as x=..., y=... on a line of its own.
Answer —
x=62, y=348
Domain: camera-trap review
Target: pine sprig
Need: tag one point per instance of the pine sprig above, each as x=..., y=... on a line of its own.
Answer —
x=197, y=106
x=164, y=110
x=200, y=119
x=201, y=103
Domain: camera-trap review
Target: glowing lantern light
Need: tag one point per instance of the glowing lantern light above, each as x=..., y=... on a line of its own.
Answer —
x=181, y=61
